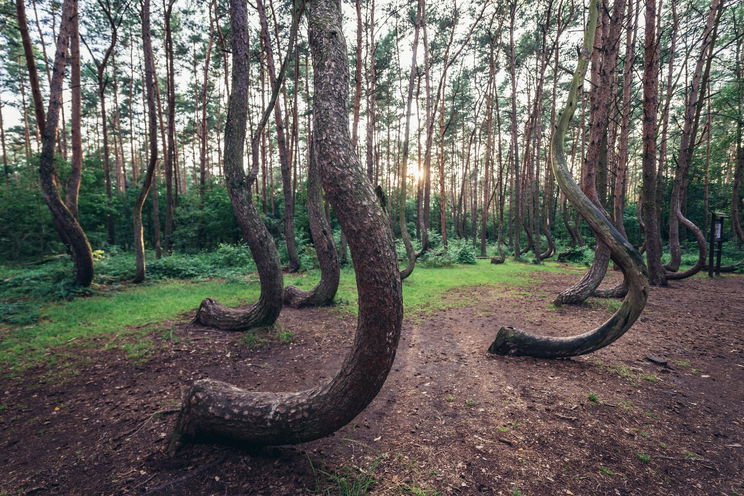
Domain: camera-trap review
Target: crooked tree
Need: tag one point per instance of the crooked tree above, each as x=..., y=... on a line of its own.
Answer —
x=65, y=221
x=216, y=410
x=239, y=186
x=510, y=341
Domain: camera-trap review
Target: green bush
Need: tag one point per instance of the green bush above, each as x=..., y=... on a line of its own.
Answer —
x=465, y=253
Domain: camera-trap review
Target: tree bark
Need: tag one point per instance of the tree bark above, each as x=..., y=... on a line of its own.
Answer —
x=650, y=218
x=239, y=186
x=216, y=410
x=152, y=136
x=65, y=222
x=510, y=341
x=325, y=248
x=289, y=234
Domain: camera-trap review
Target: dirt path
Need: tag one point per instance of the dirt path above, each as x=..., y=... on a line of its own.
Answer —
x=450, y=419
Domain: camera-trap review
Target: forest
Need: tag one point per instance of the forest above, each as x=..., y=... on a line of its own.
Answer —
x=394, y=247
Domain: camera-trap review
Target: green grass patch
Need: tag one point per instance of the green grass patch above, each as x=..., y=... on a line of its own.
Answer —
x=122, y=313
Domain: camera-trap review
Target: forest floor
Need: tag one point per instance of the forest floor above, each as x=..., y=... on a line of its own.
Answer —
x=451, y=419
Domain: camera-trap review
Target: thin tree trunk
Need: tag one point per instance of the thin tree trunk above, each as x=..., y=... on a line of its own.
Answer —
x=656, y=273
x=73, y=183
x=289, y=234
x=170, y=156
x=403, y=171
x=152, y=120
x=693, y=108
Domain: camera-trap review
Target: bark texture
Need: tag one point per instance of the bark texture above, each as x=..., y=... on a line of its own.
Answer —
x=604, y=58
x=325, y=248
x=239, y=184
x=152, y=118
x=64, y=220
x=510, y=341
x=216, y=410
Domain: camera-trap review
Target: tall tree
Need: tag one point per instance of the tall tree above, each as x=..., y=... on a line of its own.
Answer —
x=604, y=60
x=216, y=409
x=240, y=185
x=64, y=220
x=152, y=137
x=403, y=170
x=656, y=273
x=281, y=141
x=693, y=107
x=510, y=341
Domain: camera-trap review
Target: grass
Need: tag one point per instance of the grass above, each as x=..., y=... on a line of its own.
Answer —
x=605, y=470
x=593, y=398
x=119, y=314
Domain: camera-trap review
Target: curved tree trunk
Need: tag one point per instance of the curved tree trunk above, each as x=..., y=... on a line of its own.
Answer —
x=152, y=118
x=604, y=58
x=64, y=220
x=266, y=310
x=693, y=108
x=216, y=410
x=325, y=248
x=702, y=249
x=510, y=341
x=410, y=252
x=281, y=142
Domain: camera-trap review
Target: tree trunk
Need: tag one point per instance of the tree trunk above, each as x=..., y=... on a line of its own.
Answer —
x=73, y=183
x=515, y=204
x=693, y=108
x=216, y=410
x=152, y=136
x=289, y=234
x=65, y=222
x=325, y=248
x=403, y=171
x=650, y=218
x=510, y=341
x=170, y=154
x=239, y=186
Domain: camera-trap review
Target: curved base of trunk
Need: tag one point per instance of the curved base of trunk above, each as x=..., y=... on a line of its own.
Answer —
x=702, y=251
x=214, y=314
x=410, y=257
x=618, y=291
x=590, y=282
x=321, y=295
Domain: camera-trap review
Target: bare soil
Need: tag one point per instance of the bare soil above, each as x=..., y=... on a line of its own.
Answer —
x=451, y=419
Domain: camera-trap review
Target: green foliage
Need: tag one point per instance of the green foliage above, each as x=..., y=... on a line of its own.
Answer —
x=593, y=398
x=437, y=258
x=465, y=252
x=578, y=255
